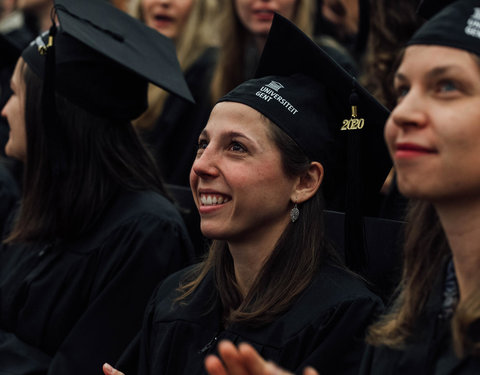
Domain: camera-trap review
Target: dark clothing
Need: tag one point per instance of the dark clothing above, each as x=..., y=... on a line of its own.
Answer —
x=9, y=196
x=323, y=328
x=68, y=307
x=174, y=137
x=430, y=350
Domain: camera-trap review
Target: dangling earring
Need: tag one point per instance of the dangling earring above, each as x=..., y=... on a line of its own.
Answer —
x=294, y=213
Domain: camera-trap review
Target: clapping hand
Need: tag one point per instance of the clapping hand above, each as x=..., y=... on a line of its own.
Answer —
x=243, y=360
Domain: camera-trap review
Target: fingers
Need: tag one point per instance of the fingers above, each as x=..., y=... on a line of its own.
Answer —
x=310, y=371
x=272, y=369
x=109, y=370
x=243, y=361
x=232, y=359
x=254, y=363
x=214, y=366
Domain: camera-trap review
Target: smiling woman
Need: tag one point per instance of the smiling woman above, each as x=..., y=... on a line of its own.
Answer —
x=432, y=135
x=271, y=277
x=241, y=166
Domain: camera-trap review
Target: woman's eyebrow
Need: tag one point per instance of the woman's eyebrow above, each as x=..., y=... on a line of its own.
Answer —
x=440, y=70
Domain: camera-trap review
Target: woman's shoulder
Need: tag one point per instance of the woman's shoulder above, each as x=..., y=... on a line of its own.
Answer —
x=137, y=205
x=165, y=305
x=133, y=219
x=168, y=288
x=334, y=291
x=337, y=284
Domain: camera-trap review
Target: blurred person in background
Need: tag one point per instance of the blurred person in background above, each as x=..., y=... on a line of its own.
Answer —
x=95, y=228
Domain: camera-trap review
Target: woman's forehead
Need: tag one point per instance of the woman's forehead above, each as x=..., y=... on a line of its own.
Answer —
x=427, y=57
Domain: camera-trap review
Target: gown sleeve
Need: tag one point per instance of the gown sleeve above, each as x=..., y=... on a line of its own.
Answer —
x=18, y=357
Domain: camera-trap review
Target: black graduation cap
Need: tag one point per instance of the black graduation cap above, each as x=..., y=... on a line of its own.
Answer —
x=457, y=25
x=104, y=59
x=12, y=44
x=429, y=8
x=329, y=115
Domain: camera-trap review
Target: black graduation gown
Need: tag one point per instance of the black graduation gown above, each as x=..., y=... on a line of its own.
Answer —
x=430, y=351
x=324, y=328
x=9, y=196
x=66, y=308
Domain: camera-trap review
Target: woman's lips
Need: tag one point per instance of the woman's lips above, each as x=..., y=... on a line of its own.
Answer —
x=264, y=14
x=411, y=150
x=161, y=20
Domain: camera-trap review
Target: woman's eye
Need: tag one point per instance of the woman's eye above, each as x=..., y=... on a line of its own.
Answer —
x=401, y=91
x=202, y=145
x=447, y=86
x=237, y=147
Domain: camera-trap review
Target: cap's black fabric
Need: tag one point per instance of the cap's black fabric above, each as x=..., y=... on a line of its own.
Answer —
x=456, y=25
x=429, y=8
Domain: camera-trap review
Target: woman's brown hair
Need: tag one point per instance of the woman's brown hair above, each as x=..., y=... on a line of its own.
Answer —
x=101, y=156
x=299, y=252
x=392, y=24
x=426, y=252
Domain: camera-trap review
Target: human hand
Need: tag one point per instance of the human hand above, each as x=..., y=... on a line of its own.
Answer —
x=243, y=360
x=109, y=370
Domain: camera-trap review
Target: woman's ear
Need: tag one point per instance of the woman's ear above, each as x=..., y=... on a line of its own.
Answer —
x=308, y=183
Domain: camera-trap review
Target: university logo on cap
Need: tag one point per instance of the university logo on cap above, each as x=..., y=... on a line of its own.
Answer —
x=473, y=24
x=269, y=91
x=275, y=85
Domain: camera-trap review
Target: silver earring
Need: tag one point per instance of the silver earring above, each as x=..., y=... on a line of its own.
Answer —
x=294, y=213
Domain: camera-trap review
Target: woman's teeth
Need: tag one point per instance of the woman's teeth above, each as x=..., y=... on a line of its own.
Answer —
x=210, y=200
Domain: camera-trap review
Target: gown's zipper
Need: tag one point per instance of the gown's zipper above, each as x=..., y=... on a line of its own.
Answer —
x=210, y=344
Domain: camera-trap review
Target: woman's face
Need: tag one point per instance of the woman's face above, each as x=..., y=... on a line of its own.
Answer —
x=257, y=15
x=166, y=16
x=343, y=14
x=433, y=133
x=14, y=112
x=237, y=179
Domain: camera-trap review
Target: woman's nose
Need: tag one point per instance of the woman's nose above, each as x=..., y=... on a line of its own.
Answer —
x=411, y=111
x=206, y=163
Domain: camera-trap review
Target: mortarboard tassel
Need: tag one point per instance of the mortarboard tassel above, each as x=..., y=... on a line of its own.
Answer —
x=355, y=255
x=49, y=110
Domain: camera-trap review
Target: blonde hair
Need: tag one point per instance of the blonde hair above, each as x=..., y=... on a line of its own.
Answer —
x=230, y=68
x=198, y=34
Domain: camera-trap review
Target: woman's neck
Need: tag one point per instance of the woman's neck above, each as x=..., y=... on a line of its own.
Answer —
x=260, y=41
x=461, y=223
x=250, y=256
